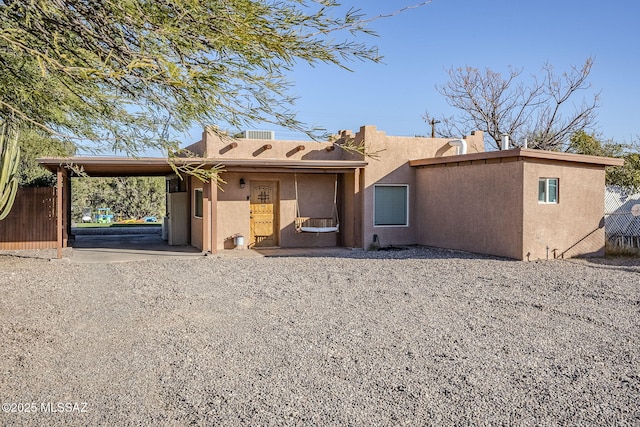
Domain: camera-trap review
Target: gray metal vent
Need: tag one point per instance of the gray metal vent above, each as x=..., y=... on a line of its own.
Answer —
x=257, y=134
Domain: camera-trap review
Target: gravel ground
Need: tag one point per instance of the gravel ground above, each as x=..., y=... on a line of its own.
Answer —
x=412, y=337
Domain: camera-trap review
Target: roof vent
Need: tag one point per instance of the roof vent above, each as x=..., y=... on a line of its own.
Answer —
x=257, y=134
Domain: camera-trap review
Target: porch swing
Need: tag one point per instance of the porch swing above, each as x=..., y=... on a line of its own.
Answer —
x=305, y=224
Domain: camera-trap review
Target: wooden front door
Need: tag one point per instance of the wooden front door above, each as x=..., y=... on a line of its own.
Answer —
x=264, y=214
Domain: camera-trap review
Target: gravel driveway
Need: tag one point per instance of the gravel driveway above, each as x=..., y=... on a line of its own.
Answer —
x=413, y=337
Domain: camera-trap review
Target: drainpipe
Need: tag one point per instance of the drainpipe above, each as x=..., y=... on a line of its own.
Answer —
x=460, y=144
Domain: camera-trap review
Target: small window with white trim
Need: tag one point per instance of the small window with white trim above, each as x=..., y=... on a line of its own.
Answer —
x=197, y=202
x=548, y=190
x=391, y=205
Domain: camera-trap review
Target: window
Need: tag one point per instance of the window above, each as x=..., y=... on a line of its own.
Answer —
x=176, y=185
x=197, y=208
x=391, y=205
x=548, y=190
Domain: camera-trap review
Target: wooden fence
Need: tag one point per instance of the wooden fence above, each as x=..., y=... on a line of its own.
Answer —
x=31, y=224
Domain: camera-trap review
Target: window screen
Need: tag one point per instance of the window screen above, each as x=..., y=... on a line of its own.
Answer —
x=391, y=205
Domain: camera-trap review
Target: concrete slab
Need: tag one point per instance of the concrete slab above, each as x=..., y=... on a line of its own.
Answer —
x=111, y=245
x=127, y=247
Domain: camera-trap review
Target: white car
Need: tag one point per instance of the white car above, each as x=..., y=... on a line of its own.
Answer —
x=86, y=215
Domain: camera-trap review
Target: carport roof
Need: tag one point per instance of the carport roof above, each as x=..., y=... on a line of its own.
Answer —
x=149, y=166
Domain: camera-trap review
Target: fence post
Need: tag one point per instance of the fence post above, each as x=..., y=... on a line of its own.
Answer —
x=59, y=213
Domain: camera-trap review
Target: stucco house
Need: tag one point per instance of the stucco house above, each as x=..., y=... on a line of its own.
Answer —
x=518, y=203
x=269, y=184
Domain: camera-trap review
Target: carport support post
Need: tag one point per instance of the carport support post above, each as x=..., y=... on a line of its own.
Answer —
x=213, y=217
x=66, y=193
x=59, y=213
x=209, y=217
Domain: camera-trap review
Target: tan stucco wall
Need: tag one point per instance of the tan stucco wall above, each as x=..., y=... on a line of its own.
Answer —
x=574, y=226
x=196, y=223
x=351, y=203
x=475, y=207
x=315, y=192
x=216, y=146
x=392, y=167
x=491, y=206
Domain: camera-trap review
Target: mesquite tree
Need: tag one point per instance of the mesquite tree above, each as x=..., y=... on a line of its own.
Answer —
x=545, y=110
x=126, y=75
x=132, y=74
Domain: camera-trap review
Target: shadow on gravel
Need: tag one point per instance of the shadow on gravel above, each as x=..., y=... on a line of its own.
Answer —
x=23, y=256
x=618, y=261
x=388, y=252
x=624, y=263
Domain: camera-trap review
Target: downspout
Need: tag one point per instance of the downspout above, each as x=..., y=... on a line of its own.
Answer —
x=460, y=144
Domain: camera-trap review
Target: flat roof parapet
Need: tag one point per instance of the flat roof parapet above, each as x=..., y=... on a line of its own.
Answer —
x=523, y=153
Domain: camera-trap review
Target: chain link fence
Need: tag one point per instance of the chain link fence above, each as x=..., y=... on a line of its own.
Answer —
x=622, y=218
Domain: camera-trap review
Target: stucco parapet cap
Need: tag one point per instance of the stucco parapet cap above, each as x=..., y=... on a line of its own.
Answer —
x=521, y=153
x=293, y=164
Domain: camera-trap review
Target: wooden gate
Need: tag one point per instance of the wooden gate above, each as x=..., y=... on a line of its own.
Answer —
x=31, y=224
x=264, y=214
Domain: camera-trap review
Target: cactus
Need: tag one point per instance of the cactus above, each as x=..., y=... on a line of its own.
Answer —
x=9, y=160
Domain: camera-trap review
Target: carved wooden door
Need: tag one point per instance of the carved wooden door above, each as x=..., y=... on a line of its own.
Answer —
x=264, y=218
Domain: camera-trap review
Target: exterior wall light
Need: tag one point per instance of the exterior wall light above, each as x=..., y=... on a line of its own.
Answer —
x=241, y=182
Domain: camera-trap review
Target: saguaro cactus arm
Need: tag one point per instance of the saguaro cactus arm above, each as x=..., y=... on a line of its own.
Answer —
x=9, y=160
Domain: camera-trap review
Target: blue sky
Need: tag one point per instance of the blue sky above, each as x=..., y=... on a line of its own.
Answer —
x=419, y=45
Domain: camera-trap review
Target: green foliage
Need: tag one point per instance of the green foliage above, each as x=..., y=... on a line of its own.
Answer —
x=131, y=74
x=127, y=197
x=35, y=143
x=627, y=176
x=582, y=142
x=9, y=161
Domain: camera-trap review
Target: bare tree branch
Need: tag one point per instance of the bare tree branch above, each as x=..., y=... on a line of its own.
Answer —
x=540, y=111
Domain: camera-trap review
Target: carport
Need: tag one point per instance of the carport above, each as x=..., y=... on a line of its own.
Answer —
x=66, y=168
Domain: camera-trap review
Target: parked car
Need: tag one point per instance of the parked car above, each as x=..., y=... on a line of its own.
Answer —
x=87, y=215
